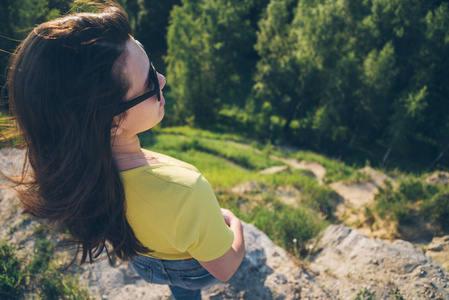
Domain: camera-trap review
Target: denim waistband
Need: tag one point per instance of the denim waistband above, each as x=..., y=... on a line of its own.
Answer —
x=172, y=265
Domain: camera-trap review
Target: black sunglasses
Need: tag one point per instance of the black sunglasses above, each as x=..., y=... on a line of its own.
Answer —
x=152, y=80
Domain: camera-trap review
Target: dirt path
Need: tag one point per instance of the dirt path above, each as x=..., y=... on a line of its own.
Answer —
x=318, y=170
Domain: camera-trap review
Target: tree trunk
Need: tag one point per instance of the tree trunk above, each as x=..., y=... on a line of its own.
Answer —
x=351, y=142
x=391, y=146
x=439, y=156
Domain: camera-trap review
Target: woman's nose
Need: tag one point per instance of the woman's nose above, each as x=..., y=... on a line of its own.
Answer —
x=162, y=80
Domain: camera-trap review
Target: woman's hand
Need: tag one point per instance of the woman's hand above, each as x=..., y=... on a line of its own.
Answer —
x=227, y=216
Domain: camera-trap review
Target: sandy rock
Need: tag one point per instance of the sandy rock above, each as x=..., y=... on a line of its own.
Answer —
x=440, y=178
x=438, y=250
x=267, y=272
x=347, y=258
x=356, y=194
x=288, y=195
x=11, y=162
x=345, y=263
x=377, y=176
x=275, y=169
x=318, y=170
x=250, y=187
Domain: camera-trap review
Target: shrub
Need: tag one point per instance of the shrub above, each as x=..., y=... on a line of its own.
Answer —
x=402, y=204
x=437, y=209
x=364, y=294
x=289, y=227
x=413, y=190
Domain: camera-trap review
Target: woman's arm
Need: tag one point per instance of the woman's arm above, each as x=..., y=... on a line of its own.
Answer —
x=225, y=266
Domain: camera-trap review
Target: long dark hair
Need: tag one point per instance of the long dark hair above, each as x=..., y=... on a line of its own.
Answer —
x=64, y=88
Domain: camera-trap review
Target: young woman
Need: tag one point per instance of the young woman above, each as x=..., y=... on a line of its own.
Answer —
x=82, y=88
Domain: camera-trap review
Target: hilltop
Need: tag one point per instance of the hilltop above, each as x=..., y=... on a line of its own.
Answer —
x=292, y=196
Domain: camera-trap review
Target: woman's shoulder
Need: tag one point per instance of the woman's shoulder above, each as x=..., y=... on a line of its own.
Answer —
x=165, y=159
x=170, y=173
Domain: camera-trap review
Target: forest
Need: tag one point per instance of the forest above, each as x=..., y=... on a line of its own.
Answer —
x=363, y=81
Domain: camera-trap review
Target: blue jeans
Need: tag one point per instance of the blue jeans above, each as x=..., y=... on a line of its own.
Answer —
x=185, y=278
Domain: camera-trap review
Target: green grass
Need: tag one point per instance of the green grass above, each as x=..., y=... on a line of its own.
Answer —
x=241, y=154
x=291, y=228
x=12, y=273
x=220, y=172
x=199, y=133
x=39, y=275
x=266, y=148
x=8, y=134
x=248, y=154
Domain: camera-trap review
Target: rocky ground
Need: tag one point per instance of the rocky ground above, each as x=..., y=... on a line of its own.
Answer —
x=345, y=263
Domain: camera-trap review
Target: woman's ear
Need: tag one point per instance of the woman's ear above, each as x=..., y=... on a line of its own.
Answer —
x=116, y=129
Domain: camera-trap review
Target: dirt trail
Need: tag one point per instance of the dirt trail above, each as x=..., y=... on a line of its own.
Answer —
x=318, y=170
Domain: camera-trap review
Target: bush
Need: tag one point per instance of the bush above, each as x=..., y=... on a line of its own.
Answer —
x=413, y=190
x=402, y=204
x=289, y=227
x=437, y=209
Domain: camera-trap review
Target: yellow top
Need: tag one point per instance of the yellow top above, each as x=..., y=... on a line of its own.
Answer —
x=173, y=211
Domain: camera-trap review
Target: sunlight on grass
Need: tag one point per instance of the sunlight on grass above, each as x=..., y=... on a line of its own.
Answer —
x=241, y=154
x=200, y=133
x=8, y=132
x=219, y=172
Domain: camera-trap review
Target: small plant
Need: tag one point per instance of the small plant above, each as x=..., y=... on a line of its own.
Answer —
x=369, y=217
x=396, y=294
x=12, y=275
x=47, y=275
x=55, y=286
x=364, y=294
x=38, y=274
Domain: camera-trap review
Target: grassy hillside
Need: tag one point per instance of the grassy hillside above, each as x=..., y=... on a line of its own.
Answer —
x=230, y=162
x=292, y=206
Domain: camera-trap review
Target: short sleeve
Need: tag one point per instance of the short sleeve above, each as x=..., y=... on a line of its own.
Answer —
x=202, y=231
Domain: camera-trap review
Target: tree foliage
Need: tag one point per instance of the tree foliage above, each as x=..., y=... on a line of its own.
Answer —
x=17, y=18
x=210, y=56
x=341, y=76
x=377, y=73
